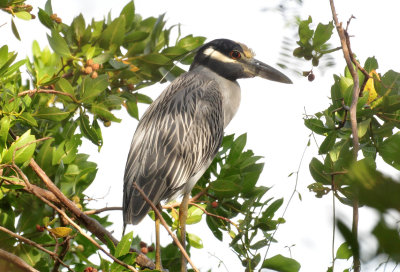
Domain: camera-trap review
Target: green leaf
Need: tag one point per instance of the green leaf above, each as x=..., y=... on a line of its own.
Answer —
x=316, y=125
x=5, y=124
x=23, y=148
x=124, y=245
x=88, y=131
x=64, y=86
x=23, y=15
x=129, y=12
x=390, y=150
x=103, y=112
x=156, y=58
x=113, y=35
x=58, y=44
x=237, y=147
x=270, y=211
x=15, y=30
x=27, y=117
x=371, y=64
x=328, y=143
x=102, y=58
x=52, y=113
x=194, y=215
x=45, y=19
x=194, y=240
x=319, y=172
x=91, y=88
x=305, y=33
x=78, y=25
x=48, y=8
x=281, y=263
x=344, y=251
x=190, y=43
x=322, y=34
x=135, y=36
x=61, y=232
x=225, y=188
x=132, y=109
x=362, y=127
x=388, y=238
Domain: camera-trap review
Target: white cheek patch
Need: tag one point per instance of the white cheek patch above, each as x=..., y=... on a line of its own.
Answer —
x=214, y=54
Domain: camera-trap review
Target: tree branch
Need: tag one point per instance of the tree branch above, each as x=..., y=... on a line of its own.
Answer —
x=158, y=214
x=35, y=91
x=76, y=226
x=345, y=41
x=32, y=243
x=17, y=261
x=90, y=224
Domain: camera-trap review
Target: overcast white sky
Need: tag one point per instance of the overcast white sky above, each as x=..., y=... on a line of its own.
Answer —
x=270, y=113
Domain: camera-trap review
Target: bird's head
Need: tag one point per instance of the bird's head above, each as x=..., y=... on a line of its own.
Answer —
x=234, y=60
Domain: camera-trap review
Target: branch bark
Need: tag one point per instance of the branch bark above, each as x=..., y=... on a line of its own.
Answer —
x=348, y=56
x=17, y=261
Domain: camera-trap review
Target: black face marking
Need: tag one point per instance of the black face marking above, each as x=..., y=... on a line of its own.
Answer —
x=228, y=48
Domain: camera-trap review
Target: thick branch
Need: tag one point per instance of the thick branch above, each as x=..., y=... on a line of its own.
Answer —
x=90, y=224
x=17, y=261
x=32, y=243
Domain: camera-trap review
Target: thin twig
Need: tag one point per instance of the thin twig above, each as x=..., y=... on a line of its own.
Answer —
x=17, y=261
x=158, y=214
x=35, y=91
x=217, y=216
x=32, y=243
x=345, y=41
x=90, y=212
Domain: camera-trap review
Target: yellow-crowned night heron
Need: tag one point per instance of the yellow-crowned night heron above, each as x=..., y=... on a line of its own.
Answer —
x=180, y=133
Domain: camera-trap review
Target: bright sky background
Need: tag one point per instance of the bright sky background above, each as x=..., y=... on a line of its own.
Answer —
x=271, y=113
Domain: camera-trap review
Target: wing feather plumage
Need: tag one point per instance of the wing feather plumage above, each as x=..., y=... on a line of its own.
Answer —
x=176, y=138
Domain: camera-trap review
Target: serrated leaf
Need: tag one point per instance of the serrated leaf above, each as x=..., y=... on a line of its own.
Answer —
x=61, y=232
x=58, y=44
x=281, y=263
x=305, y=33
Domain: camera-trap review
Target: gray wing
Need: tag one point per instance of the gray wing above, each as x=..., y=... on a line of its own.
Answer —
x=177, y=137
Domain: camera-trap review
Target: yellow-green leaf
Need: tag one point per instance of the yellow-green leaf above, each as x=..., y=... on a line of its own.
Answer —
x=60, y=232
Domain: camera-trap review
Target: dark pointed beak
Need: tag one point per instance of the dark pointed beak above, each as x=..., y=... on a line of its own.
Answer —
x=255, y=67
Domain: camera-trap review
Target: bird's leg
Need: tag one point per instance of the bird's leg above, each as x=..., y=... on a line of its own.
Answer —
x=182, y=222
x=158, y=246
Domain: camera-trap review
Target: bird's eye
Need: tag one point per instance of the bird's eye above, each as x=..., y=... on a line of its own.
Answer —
x=234, y=54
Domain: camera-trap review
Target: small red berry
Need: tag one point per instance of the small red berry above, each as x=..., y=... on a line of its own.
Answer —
x=150, y=248
x=311, y=77
x=214, y=204
x=144, y=250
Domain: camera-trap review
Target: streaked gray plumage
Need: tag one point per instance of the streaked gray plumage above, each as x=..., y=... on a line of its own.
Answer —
x=180, y=133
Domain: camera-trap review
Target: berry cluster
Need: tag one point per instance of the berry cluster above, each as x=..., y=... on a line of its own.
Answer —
x=144, y=248
x=91, y=68
x=55, y=18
